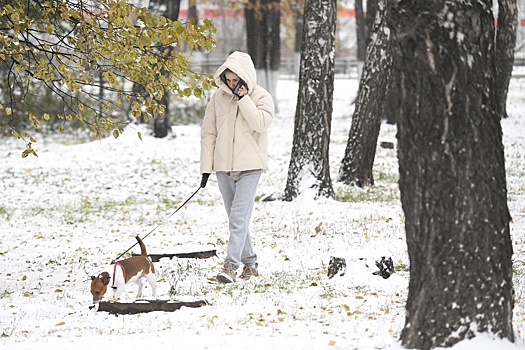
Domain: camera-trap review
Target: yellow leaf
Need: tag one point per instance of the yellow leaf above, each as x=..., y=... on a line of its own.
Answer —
x=139, y=134
x=61, y=323
x=8, y=111
x=50, y=28
x=331, y=343
x=24, y=278
x=58, y=290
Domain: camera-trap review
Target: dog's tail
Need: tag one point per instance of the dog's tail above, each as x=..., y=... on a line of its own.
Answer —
x=142, y=246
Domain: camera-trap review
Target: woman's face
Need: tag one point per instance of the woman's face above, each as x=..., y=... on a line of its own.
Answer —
x=231, y=79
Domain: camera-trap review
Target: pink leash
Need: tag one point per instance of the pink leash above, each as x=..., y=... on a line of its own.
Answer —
x=115, y=263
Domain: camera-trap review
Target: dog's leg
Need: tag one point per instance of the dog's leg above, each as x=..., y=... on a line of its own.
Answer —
x=117, y=294
x=139, y=283
x=153, y=283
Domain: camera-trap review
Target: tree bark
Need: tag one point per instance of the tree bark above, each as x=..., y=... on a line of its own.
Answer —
x=391, y=108
x=505, y=44
x=192, y=9
x=452, y=173
x=263, y=20
x=362, y=33
x=298, y=11
x=370, y=18
x=161, y=122
x=144, y=305
x=356, y=166
x=309, y=163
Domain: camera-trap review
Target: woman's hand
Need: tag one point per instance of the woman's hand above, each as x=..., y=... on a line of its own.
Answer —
x=242, y=91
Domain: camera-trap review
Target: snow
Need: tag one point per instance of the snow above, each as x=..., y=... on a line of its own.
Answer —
x=66, y=214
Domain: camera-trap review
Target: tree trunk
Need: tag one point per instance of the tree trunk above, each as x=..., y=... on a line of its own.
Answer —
x=370, y=18
x=309, y=165
x=364, y=25
x=452, y=173
x=362, y=33
x=192, y=9
x=146, y=305
x=299, y=25
x=505, y=44
x=263, y=20
x=357, y=164
x=161, y=124
x=391, y=108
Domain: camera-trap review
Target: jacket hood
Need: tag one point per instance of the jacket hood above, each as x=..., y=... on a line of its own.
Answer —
x=241, y=64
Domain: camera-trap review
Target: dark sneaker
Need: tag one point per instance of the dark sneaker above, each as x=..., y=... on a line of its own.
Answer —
x=227, y=275
x=249, y=271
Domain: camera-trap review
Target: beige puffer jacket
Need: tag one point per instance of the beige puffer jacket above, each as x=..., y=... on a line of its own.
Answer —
x=234, y=131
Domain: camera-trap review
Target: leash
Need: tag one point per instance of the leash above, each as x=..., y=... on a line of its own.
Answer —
x=115, y=264
x=156, y=227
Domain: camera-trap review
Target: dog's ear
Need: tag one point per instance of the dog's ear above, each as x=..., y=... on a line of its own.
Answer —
x=105, y=280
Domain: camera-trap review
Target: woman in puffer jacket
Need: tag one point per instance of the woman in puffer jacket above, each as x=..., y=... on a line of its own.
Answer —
x=234, y=142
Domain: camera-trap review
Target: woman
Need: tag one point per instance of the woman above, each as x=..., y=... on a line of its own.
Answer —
x=234, y=142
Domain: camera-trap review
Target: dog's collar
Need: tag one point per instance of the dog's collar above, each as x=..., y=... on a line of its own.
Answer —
x=115, y=264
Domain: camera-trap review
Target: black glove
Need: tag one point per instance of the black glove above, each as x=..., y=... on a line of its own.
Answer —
x=204, y=180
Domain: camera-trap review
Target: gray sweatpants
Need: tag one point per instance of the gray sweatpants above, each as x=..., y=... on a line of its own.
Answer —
x=239, y=196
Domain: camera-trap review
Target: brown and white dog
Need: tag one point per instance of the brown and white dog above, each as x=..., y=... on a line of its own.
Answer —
x=121, y=273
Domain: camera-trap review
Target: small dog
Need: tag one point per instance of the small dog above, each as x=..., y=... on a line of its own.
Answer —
x=120, y=273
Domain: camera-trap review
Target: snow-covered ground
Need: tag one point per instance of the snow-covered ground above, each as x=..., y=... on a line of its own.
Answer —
x=66, y=214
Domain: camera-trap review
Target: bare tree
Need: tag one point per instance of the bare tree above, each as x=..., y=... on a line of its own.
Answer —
x=452, y=171
x=357, y=164
x=309, y=165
